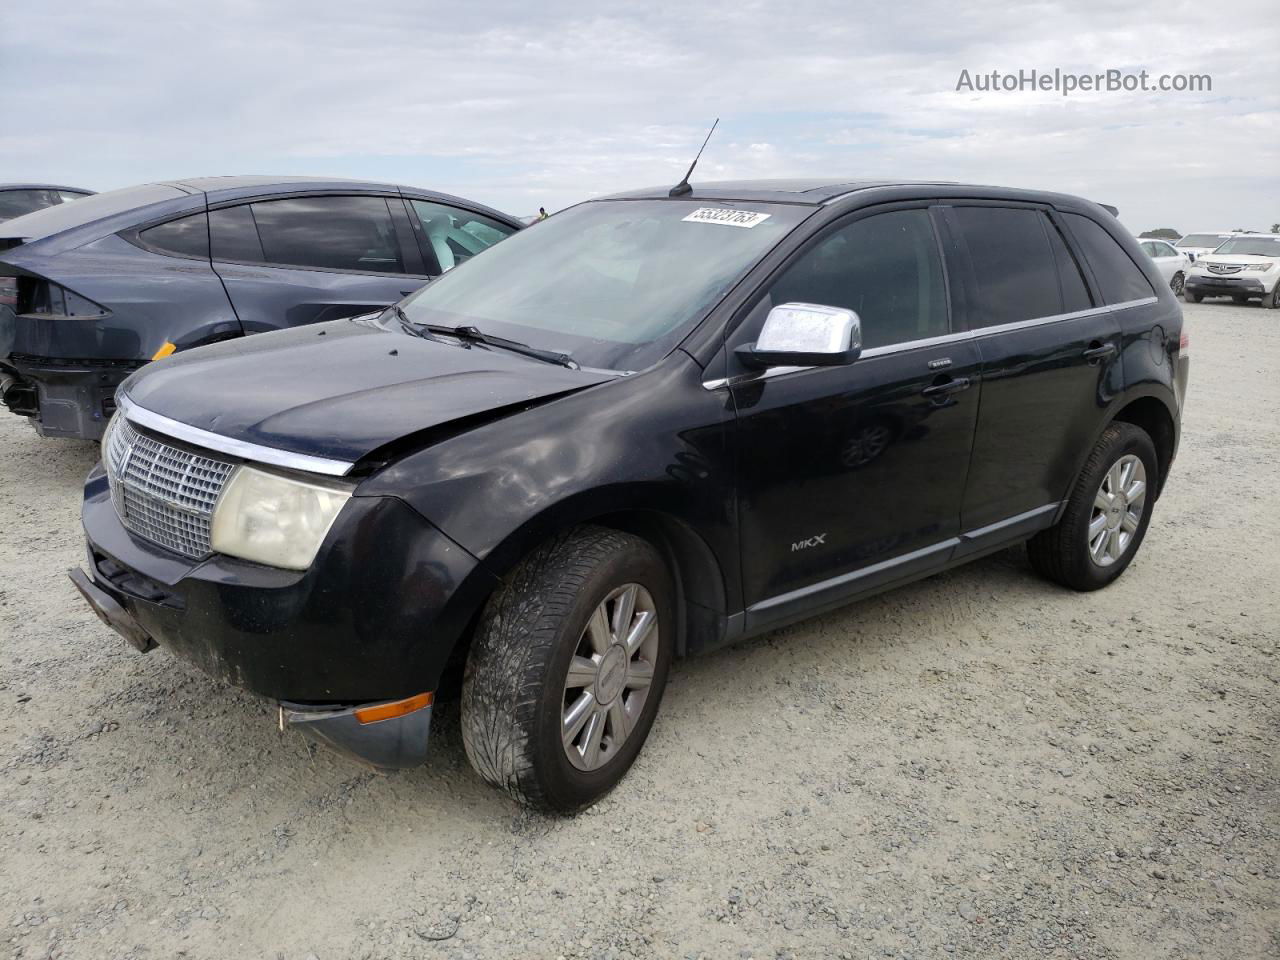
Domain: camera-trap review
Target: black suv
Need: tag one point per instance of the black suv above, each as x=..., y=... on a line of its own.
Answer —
x=648, y=426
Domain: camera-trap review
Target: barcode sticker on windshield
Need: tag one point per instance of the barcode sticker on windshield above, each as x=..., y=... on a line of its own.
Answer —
x=729, y=218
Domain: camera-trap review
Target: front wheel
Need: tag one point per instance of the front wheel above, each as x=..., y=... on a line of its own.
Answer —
x=1106, y=515
x=1271, y=301
x=567, y=668
x=1190, y=296
x=1177, y=283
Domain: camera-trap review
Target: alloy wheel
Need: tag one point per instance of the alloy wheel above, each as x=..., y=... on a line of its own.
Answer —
x=1117, y=510
x=1178, y=282
x=609, y=676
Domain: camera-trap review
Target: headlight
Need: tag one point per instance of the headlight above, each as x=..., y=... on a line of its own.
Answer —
x=1260, y=267
x=275, y=520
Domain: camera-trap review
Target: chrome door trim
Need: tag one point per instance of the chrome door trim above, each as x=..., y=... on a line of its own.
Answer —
x=853, y=576
x=237, y=448
x=926, y=342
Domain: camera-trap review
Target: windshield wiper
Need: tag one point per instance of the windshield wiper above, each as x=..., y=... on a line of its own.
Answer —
x=469, y=334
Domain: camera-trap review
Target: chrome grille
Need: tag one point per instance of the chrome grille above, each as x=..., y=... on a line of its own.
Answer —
x=163, y=493
x=1225, y=268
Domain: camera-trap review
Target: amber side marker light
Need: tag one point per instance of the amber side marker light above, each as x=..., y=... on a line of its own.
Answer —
x=397, y=708
x=164, y=351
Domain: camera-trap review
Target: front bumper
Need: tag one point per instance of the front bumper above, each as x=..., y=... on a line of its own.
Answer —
x=1211, y=286
x=374, y=619
x=72, y=398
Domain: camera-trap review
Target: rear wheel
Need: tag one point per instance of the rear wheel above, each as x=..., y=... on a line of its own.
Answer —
x=568, y=667
x=1190, y=296
x=1107, y=513
x=1177, y=283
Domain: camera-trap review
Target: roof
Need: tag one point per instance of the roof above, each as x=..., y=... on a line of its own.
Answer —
x=42, y=186
x=813, y=192
x=819, y=192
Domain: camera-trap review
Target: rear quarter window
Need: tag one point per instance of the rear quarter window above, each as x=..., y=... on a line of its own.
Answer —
x=184, y=237
x=1119, y=278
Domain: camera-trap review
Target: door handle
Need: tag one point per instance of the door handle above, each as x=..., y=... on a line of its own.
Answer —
x=1099, y=351
x=946, y=387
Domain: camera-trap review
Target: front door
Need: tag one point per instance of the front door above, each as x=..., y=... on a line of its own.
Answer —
x=851, y=477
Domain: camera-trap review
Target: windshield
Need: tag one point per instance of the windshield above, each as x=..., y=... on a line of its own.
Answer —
x=1201, y=240
x=613, y=283
x=1252, y=246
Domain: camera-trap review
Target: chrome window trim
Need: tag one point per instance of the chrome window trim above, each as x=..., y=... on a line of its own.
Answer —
x=237, y=448
x=906, y=345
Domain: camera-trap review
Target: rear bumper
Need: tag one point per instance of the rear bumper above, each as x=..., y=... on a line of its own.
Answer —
x=63, y=399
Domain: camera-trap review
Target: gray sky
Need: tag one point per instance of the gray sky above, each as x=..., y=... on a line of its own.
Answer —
x=522, y=104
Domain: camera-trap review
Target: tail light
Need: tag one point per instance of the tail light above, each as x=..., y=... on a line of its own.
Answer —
x=41, y=297
x=8, y=291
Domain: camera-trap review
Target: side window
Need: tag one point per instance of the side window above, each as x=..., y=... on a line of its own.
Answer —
x=65, y=195
x=885, y=267
x=233, y=235
x=329, y=233
x=1148, y=248
x=1014, y=264
x=1075, y=293
x=1164, y=250
x=185, y=237
x=456, y=235
x=15, y=203
x=1118, y=276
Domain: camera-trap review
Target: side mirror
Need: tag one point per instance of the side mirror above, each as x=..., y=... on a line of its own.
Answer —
x=805, y=335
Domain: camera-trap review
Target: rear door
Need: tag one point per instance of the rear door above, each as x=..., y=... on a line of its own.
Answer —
x=297, y=260
x=1050, y=364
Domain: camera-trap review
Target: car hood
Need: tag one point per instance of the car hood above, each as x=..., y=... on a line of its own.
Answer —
x=341, y=390
x=1235, y=259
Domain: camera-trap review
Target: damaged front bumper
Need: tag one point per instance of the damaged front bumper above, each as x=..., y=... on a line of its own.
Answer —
x=390, y=735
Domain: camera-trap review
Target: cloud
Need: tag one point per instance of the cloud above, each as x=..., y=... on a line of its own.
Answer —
x=521, y=105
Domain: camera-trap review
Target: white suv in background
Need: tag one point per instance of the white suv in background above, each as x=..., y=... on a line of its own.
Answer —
x=1196, y=245
x=1169, y=261
x=1246, y=265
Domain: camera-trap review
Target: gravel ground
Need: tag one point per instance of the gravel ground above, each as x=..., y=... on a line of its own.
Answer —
x=978, y=765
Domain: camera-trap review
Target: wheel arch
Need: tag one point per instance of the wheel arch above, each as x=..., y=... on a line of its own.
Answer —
x=701, y=585
x=1153, y=415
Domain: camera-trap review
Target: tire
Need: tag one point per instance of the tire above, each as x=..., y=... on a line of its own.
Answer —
x=1065, y=553
x=1177, y=282
x=517, y=690
x=1239, y=298
x=1271, y=301
x=1190, y=297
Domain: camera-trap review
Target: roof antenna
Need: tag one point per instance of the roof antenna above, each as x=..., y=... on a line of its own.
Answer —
x=681, y=188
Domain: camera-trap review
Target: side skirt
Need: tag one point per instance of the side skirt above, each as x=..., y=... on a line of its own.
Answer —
x=826, y=595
